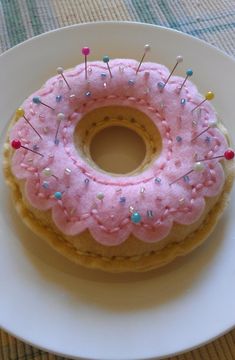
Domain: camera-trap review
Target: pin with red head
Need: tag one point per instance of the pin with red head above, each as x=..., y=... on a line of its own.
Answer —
x=16, y=144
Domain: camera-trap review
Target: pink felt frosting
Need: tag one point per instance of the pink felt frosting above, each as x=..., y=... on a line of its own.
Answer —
x=154, y=194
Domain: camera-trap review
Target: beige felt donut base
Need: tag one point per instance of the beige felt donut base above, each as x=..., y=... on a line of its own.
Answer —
x=119, y=258
x=133, y=255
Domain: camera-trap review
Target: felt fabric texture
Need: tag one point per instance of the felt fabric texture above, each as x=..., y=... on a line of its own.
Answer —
x=166, y=193
x=211, y=21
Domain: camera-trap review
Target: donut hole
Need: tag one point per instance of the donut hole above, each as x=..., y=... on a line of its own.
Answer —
x=117, y=149
x=117, y=140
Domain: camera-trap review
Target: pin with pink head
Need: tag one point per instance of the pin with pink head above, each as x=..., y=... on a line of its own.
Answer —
x=16, y=144
x=85, y=52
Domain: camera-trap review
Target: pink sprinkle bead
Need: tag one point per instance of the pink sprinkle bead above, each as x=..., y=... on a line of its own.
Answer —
x=85, y=50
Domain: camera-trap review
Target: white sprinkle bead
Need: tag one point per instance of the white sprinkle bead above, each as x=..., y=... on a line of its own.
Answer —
x=60, y=70
x=198, y=166
x=147, y=48
x=60, y=116
x=131, y=209
x=179, y=59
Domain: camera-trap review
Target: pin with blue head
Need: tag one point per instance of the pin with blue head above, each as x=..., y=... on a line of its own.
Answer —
x=189, y=73
x=106, y=61
x=38, y=101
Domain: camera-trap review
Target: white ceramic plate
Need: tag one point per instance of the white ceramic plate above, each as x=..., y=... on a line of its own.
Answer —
x=51, y=303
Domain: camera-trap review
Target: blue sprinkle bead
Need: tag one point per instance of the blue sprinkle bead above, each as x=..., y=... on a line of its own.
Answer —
x=189, y=72
x=157, y=180
x=58, y=98
x=122, y=199
x=103, y=75
x=131, y=82
x=183, y=101
x=45, y=184
x=207, y=139
x=135, y=217
x=36, y=100
x=186, y=178
x=88, y=94
x=178, y=138
x=106, y=59
x=86, y=181
x=58, y=195
x=160, y=85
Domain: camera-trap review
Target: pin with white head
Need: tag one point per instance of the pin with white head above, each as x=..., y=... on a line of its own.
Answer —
x=106, y=61
x=48, y=173
x=179, y=59
x=21, y=113
x=208, y=97
x=197, y=166
x=60, y=71
x=212, y=124
x=59, y=117
x=189, y=73
x=85, y=52
x=147, y=48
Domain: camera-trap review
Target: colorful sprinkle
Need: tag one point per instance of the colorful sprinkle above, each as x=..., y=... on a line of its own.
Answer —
x=88, y=94
x=45, y=184
x=67, y=171
x=131, y=82
x=178, y=138
x=150, y=214
x=183, y=101
x=122, y=199
x=58, y=98
x=86, y=181
x=157, y=180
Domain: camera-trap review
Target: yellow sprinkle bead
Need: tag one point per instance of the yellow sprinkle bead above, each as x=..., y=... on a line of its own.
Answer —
x=20, y=112
x=209, y=95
